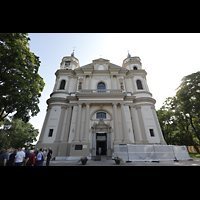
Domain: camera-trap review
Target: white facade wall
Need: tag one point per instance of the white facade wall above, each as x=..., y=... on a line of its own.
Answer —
x=67, y=112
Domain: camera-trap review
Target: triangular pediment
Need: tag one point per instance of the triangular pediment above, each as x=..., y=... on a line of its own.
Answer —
x=101, y=64
x=100, y=60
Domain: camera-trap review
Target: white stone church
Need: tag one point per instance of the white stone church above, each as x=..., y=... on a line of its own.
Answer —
x=99, y=105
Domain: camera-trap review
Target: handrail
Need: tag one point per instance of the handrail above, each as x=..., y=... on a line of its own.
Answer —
x=91, y=91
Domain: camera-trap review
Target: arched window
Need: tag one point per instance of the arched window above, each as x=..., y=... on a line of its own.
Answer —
x=101, y=87
x=139, y=85
x=101, y=115
x=134, y=68
x=62, y=85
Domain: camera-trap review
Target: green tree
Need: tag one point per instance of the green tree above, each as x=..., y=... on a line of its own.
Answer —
x=189, y=96
x=179, y=116
x=16, y=133
x=20, y=83
x=166, y=119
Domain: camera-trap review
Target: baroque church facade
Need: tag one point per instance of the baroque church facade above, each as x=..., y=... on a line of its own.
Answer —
x=99, y=105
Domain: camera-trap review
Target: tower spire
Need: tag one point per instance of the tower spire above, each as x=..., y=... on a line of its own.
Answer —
x=129, y=55
x=72, y=54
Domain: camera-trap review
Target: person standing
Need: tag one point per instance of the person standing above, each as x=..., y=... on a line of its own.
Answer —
x=43, y=156
x=99, y=150
x=49, y=156
x=30, y=161
x=11, y=159
x=4, y=157
x=39, y=158
x=19, y=158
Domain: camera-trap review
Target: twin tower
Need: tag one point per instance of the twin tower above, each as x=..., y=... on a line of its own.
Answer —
x=97, y=106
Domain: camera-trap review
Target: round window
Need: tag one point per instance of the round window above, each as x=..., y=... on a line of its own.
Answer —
x=101, y=67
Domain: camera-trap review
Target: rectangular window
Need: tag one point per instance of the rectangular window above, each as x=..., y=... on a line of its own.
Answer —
x=50, y=132
x=67, y=63
x=78, y=147
x=151, y=132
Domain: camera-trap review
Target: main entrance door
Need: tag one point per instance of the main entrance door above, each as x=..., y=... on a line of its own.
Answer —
x=101, y=138
x=101, y=144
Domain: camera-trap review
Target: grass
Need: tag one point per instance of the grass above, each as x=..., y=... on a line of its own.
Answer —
x=194, y=155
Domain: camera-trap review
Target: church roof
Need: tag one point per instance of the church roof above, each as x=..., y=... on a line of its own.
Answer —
x=100, y=60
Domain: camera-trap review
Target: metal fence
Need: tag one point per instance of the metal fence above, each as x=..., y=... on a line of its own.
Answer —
x=131, y=152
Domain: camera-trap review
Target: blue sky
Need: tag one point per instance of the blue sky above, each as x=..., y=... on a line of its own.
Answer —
x=166, y=57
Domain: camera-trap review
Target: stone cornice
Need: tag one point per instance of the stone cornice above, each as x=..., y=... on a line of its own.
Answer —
x=141, y=92
x=144, y=100
x=59, y=100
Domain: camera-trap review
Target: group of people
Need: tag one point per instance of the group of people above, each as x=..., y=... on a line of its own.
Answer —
x=20, y=157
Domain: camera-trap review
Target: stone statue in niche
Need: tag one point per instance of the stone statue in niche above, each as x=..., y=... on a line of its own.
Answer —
x=122, y=86
x=80, y=86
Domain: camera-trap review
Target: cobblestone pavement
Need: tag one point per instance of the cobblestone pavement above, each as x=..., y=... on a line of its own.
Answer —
x=104, y=162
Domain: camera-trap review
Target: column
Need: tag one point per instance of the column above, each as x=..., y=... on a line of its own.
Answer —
x=118, y=85
x=108, y=143
x=60, y=123
x=90, y=80
x=108, y=139
x=124, y=125
x=87, y=121
x=78, y=123
x=133, y=84
x=67, y=126
x=162, y=141
x=62, y=150
x=115, y=120
x=45, y=124
x=68, y=83
x=136, y=125
x=112, y=82
x=142, y=126
x=93, y=143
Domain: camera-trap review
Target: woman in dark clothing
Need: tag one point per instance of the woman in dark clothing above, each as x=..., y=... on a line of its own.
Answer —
x=11, y=158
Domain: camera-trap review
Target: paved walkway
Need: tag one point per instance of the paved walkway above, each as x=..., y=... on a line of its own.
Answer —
x=104, y=162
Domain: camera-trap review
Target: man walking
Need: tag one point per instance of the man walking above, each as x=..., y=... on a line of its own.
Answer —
x=49, y=156
x=19, y=158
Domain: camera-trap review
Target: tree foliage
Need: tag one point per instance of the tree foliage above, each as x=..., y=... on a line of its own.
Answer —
x=16, y=133
x=20, y=83
x=179, y=116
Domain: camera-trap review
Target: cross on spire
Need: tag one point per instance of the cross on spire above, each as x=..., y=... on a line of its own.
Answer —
x=74, y=48
x=129, y=55
x=73, y=51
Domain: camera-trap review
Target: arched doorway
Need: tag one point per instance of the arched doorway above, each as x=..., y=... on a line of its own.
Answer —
x=101, y=138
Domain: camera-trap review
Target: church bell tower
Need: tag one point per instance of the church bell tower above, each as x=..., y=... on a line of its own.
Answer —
x=69, y=62
x=132, y=63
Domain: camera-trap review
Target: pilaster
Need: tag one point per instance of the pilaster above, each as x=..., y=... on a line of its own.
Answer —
x=77, y=131
x=60, y=124
x=142, y=126
x=116, y=127
x=136, y=125
x=124, y=125
x=87, y=120
x=44, y=125
x=162, y=141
